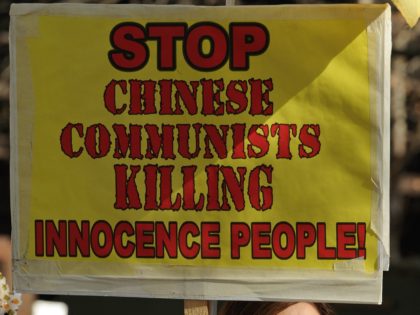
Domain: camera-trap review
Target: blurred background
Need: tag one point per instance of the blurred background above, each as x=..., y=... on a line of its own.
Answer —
x=401, y=283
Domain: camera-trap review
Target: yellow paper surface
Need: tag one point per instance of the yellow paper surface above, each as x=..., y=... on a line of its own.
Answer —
x=410, y=9
x=318, y=64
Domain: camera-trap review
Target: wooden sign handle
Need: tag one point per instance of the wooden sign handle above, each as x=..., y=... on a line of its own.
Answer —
x=200, y=307
x=196, y=307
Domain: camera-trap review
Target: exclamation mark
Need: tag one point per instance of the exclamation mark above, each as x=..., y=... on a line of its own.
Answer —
x=361, y=239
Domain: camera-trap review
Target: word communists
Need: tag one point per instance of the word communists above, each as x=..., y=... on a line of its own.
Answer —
x=149, y=186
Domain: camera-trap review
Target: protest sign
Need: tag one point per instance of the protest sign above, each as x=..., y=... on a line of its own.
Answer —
x=201, y=153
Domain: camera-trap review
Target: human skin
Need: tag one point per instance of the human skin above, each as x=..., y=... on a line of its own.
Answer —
x=301, y=308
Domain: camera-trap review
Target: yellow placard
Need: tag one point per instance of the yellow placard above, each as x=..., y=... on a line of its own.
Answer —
x=410, y=9
x=191, y=143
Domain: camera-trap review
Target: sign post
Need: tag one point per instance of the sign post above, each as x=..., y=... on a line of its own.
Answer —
x=201, y=153
x=196, y=307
